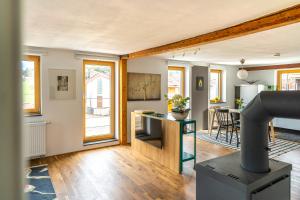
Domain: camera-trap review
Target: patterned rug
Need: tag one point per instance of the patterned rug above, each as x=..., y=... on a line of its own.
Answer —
x=39, y=185
x=278, y=147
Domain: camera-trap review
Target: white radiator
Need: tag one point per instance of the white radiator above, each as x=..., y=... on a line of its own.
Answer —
x=35, y=139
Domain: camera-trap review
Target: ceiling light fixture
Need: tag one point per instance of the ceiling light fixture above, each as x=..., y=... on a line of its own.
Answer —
x=276, y=54
x=242, y=73
x=196, y=51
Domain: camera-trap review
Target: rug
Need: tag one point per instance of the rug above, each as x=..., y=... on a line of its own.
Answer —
x=278, y=147
x=288, y=135
x=39, y=185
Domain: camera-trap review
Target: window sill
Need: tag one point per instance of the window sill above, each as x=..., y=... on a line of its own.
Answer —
x=219, y=102
x=32, y=115
x=99, y=142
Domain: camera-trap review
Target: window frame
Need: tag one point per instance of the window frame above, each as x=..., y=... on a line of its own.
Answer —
x=112, y=133
x=279, y=76
x=220, y=79
x=182, y=70
x=37, y=87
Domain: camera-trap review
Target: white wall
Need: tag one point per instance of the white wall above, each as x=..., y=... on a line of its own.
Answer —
x=269, y=77
x=65, y=131
x=148, y=65
x=265, y=77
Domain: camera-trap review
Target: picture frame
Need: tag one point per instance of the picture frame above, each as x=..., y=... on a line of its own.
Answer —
x=143, y=87
x=62, y=84
x=199, y=83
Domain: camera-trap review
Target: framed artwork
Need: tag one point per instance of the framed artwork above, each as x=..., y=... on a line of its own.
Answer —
x=143, y=87
x=62, y=84
x=199, y=83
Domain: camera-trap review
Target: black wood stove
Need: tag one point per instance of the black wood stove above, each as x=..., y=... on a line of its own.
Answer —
x=250, y=174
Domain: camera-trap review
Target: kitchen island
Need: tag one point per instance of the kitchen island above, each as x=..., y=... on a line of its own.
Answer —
x=167, y=150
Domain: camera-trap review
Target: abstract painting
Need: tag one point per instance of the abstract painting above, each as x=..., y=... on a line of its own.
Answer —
x=143, y=87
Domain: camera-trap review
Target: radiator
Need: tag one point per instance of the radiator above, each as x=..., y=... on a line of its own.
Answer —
x=35, y=139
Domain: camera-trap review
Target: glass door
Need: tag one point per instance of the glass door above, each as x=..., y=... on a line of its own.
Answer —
x=98, y=100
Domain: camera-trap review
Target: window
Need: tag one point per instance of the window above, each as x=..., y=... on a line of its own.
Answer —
x=99, y=87
x=288, y=79
x=98, y=100
x=176, y=80
x=215, y=85
x=31, y=84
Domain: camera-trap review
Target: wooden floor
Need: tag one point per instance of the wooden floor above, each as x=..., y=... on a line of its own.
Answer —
x=116, y=173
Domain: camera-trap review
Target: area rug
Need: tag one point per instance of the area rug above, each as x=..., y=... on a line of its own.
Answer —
x=39, y=185
x=278, y=147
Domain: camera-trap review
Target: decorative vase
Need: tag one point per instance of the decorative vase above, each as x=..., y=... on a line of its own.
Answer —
x=180, y=115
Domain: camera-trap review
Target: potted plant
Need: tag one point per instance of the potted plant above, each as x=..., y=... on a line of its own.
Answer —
x=216, y=100
x=239, y=102
x=179, y=110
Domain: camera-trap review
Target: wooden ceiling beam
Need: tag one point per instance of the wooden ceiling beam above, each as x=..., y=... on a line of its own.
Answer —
x=271, y=67
x=281, y=18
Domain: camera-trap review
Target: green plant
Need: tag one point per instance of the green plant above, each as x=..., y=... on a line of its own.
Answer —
x=239, y=102
x=271, y=88
x=179, y=103
x=217, y=99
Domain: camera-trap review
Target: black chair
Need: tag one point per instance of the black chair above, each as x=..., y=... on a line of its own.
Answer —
x=226, y=122
x=235, y=127
x=223, y=121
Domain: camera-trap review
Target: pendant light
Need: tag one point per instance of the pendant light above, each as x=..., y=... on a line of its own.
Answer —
x=242, y=73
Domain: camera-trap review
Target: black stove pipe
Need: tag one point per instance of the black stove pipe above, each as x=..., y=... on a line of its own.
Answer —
x=254, y=125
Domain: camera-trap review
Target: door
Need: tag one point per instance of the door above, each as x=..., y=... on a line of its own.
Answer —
x=98, y=100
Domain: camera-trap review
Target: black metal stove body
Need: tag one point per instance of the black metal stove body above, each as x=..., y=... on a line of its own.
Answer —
x=224, y=179
x=249, y=174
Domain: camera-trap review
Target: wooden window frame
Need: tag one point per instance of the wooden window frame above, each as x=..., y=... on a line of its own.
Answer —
x=37, y=88
x=182, y=70
x=111, y=135
x=220, y=72
x=286, y=71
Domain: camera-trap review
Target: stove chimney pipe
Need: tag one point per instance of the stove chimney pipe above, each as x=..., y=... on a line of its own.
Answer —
x=254, y=125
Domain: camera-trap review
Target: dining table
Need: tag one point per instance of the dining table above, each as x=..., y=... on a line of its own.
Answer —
x=212, y=115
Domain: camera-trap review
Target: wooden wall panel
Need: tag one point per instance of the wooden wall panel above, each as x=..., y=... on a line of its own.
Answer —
x=168, y=156
x=123, y=101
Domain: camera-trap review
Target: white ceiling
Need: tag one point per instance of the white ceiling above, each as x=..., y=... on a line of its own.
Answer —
x=125, y=26
x=257, y=49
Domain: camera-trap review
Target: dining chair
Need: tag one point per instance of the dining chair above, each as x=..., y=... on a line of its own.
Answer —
x=224, y=121
x=212, y=114
x=234, y=128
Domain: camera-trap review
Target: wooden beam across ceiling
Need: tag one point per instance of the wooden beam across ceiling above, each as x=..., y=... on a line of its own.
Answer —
x=271, y=67
x=280, y=18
